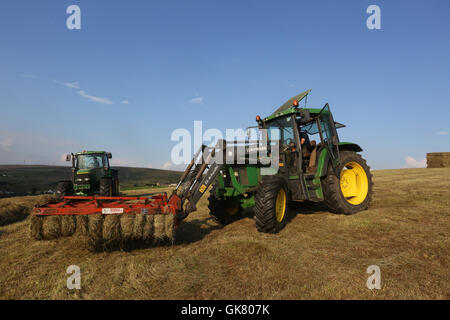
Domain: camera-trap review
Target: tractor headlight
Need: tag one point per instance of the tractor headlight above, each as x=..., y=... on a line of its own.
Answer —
x=87, y=179
x=79, y=180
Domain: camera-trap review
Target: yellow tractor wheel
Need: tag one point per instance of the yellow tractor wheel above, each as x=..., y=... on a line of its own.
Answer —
x=351, y=190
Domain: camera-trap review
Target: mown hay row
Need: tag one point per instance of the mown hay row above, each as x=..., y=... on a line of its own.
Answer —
x=18, y=209
x=12, y=212
x=105, y=232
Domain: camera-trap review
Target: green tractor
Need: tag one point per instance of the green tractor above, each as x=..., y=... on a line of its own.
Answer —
x=91, y=175
x=313, y=165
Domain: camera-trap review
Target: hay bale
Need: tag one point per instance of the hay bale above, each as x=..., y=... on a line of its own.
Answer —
x=169, y=226
x=138, y=228
x=51, y=228
x=36, y=223
x=68, y=226
x=159, y=226
x=148, y=231
x=112, y=235
x=127, y=226
x=82, y=226
x=438, y=160
x=95, y=232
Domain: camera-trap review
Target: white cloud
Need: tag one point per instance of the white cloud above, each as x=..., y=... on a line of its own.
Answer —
x=73, y=85
x=63, y=157
x=410, y=162
x=197, y=100
x=125, y=102
x=94, y=98
x=6, y=142
x=442, y=133
x=167, y=165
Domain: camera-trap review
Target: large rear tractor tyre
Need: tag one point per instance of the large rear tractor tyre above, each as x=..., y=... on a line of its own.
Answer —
x=223, y=211
x=271, y=203
x=351, y=190
x=106, y=187
x=63, y=189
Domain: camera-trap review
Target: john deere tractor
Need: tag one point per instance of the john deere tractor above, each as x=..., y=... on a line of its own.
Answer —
x=313, y=165
x=91, y=174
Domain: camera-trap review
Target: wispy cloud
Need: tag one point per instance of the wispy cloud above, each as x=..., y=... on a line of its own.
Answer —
x=33, y=147
x=125, y=102
x=410, y=162
x=94, y=98
x=197, y=100
x=443, y=132
x=73, y=85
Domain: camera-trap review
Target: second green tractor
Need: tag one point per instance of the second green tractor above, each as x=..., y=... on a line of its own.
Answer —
x=91, y=175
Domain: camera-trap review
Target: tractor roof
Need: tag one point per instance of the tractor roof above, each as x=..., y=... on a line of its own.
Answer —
x=90, y=152
x=292, y=110
x=288, y=107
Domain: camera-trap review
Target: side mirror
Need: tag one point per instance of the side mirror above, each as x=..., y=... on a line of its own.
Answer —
x=305, y=116
x=68, y=157
x=109, y=155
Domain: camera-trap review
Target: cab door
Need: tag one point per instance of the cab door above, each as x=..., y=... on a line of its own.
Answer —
x=328, y=134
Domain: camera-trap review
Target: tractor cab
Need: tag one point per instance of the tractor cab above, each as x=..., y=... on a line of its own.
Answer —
x=302, y=134
x=89, y=168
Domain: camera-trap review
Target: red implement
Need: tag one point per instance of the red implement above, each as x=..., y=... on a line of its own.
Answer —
x=75, y=205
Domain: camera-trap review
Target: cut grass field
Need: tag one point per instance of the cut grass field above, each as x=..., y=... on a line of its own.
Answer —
x=319, y=255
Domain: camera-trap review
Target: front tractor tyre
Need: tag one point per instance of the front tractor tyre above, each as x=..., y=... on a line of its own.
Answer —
x=271, y=205
x=63, y=189
x=351, y=190
x=106, y=187
x=223, y=211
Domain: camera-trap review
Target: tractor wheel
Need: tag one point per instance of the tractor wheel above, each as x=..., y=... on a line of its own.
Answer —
x=351, y=190
x=106, y=187
x=223, y=211
x=116, y=189
x=64, y=188
x=271, y=202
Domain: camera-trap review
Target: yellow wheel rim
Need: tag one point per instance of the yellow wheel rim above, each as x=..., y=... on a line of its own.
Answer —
x=354, y=183
x=232, y=209
x=280, y=205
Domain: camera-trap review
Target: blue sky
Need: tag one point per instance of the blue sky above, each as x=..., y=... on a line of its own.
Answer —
x=137, y=70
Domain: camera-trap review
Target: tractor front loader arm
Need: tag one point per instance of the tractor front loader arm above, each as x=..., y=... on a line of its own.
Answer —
x=196, y=179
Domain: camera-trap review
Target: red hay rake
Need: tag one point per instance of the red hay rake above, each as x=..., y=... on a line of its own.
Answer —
x=77, y=205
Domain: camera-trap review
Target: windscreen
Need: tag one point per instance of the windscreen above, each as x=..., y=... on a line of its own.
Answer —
x=90, y=161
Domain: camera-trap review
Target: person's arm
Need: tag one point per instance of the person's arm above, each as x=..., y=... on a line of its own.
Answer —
x=303, y=137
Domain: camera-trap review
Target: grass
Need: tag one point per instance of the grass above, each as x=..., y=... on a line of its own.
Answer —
x=319, y=255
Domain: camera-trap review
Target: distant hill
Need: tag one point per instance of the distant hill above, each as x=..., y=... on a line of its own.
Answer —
x=23, y=179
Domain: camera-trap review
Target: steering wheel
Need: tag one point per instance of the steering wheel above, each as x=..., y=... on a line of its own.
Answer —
x=287, y=143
